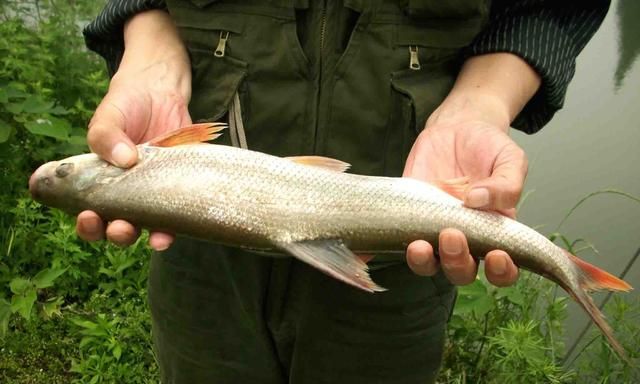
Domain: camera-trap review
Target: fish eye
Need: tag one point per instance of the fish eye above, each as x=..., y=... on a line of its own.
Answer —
x=64, y=169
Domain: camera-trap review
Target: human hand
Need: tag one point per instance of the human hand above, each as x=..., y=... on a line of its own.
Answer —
x=467, y=137
x=496, y=167
x=147, y=97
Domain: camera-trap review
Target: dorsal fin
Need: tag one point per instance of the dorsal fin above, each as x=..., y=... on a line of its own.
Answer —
x=455, y=187
x=321, y=162
x=191, y=134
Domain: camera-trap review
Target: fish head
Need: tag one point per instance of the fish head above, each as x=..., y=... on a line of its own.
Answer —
x=66, y=183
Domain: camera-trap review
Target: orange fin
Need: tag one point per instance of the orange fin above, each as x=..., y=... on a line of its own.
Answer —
x=191, y=134
x=332, y=257
x=455, y=187
x=585, y=301
x=321, y=162
x=595, y=279
x=366, y=257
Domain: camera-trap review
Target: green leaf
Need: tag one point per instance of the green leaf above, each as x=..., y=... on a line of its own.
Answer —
x=4, y=96
x=14, y=108
x=51, y=127
x=16, y=90
x=474, y=298
x=512, y=294
x=34, y=104
x=117, y=352
x=24, y=303
x=5, y=131
x=59, y=110
x=5, y=315
x=87, y=324
x=20, y=285
x=46, y=277
x=77, y=140
x=52, y=307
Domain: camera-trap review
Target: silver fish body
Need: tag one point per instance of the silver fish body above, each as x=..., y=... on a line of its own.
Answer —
x=254, y=200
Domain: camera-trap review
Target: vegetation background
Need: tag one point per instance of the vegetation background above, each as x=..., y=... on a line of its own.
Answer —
x=76, y=312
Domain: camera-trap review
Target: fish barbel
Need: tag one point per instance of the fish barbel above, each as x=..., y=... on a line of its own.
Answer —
x=304, y=206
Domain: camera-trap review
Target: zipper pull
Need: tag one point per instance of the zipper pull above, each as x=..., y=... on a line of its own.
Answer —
x=414, y=61
x=222, y=44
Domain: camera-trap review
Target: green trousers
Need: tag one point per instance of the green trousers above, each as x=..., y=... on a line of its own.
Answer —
x=223, y=315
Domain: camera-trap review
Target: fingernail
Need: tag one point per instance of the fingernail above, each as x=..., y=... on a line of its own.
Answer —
x=91, y=225
x=418, y=260
x=452, y=246
x=161, y=247
x=478, y=198
x=500, y=266
x=122, y=155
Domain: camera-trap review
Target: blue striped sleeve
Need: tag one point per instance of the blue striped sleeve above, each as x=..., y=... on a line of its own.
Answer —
x=549, y=35
x=104, y=34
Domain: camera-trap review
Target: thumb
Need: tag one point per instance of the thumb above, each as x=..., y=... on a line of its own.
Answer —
x=500, y=191
x=107, y=137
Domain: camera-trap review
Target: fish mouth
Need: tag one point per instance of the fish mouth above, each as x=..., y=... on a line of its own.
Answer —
x=39, y=181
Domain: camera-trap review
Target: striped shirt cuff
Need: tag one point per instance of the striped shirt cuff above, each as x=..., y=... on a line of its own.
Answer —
x=549, y=37
x=105, y=34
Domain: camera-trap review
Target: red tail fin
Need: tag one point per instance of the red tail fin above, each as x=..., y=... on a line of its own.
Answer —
x=596, y=279
x=191, y=134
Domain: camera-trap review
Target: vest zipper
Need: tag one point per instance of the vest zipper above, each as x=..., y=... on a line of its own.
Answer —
x=222, y=44
x=236, y=126
x=414, y=60
x=323, y=28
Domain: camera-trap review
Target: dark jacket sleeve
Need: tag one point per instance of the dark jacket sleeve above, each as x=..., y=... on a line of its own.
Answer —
x=105, y=35
x=549, y=35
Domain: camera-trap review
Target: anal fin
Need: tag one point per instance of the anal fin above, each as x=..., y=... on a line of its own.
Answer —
x=332, y=257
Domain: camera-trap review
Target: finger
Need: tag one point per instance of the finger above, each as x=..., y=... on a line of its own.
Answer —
x=409, y=164
x=160, y=241
x=122, y=233
x=457, y=263
x=511, y=212
x=500, y=269
x=107, y=136
x=89, y=226
x=502, y=190
x=421, y=259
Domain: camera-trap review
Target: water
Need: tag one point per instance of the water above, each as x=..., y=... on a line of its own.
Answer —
x=594, y=144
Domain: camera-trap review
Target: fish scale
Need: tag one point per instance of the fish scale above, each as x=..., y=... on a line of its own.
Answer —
x=302, y=206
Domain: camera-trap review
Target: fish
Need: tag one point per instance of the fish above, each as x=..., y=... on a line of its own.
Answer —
x=307, y=207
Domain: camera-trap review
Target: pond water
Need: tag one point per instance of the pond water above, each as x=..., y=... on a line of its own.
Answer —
x=594, y=144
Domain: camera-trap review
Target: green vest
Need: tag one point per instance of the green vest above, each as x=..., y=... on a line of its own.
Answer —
x=353, y=80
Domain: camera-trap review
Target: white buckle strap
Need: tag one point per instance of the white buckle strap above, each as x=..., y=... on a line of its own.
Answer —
x=236, y=127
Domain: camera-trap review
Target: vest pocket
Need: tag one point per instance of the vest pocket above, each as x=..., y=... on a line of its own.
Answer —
x=415, y=94
x=217, y=80
x=450, y=9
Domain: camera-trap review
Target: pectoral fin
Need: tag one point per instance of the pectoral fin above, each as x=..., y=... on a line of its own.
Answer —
x=455, y=187
x=335, y=259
